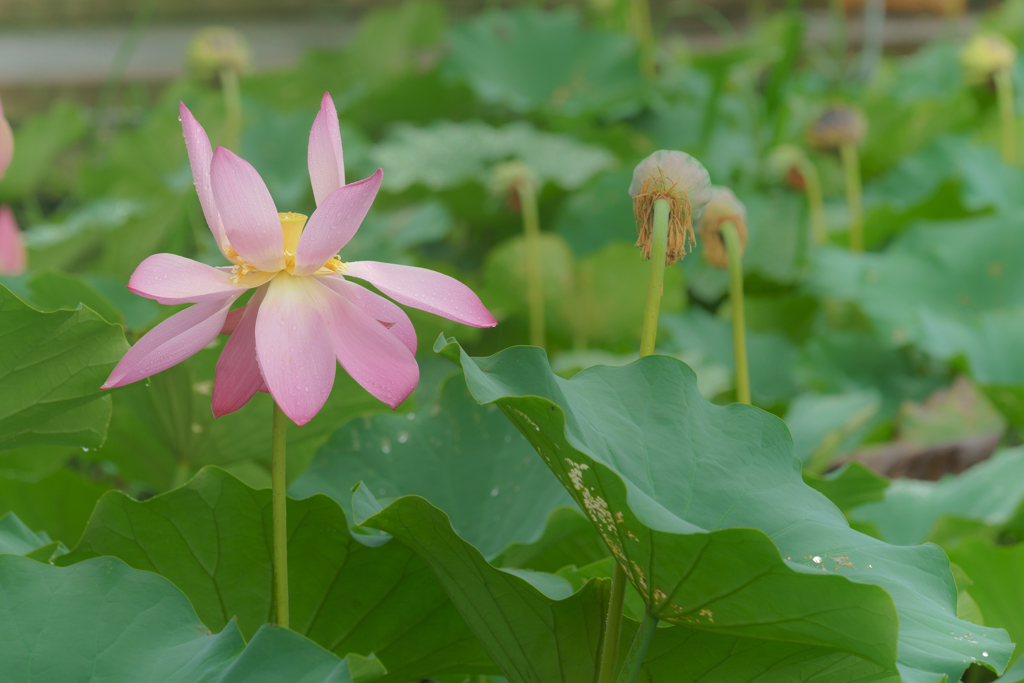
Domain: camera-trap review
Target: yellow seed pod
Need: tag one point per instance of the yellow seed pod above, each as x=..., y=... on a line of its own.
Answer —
x=682, y=181
x=215, y=49
x=985, y=54
x=723, y=208
x=837, y=126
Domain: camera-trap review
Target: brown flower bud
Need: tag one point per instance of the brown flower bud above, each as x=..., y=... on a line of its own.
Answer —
x=685, y=184
x=723, y=208
x=837, y=126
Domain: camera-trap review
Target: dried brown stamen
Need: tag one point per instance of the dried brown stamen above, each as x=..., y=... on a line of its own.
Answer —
x=681, y=238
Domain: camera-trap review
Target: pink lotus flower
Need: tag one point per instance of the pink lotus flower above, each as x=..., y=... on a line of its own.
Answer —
x=6, y=143
x=12, y=249
x=305, y=312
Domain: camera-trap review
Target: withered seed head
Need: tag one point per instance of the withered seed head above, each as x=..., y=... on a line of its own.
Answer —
x=215, y=49
x=837, y=126
x=685, y=184
x=985, y=54
x=723, y=208
x=785, y=163
x=507, y=178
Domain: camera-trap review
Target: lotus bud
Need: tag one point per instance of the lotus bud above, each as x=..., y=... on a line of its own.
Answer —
x=216, y=49
x=13, y=257
x=723, y=208
x=837, y=126
x=508, y=178
x=6, y=143
x=985, y=54
x=786, y=163
x=685, y=184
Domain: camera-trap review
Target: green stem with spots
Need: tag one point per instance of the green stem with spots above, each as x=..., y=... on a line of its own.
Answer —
x=534, y=275
x=1007, y=117
x=851, y=169
x=279, y=501
x=655, y=286
x=638, y=649
x=232, y=109
x=739, y=326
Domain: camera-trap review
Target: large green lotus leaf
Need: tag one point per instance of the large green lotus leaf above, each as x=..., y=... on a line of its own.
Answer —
x=59, y=504
x=958, y=270
x=826, y=425
x=101, y=619
x=163, y=430
x=995, y=571
x=17, y=539
x=53, y=290
x=538, y=630
x=447, y=154
x=462, y=457
x=705, y=509
x=850, y=486
x=528, y=60
x=531, y=624
x=840, y=362
x=568, y=539
x=990, y=347
x=51, y=369
x=988, y=493
x=212, y=538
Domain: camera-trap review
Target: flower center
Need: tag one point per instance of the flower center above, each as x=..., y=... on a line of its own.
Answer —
x=291, y=229
x=291, y=225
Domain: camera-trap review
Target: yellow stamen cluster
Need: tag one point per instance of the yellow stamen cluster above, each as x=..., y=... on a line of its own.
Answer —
x=241, y=270
x=291, y=228
x=335, y=265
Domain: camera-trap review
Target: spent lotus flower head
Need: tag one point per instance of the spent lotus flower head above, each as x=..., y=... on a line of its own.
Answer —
x=837, y=126
x=723, y=208
x=305, y=314
x=13, y=258
x=685, y=184
x=6, y=143
x=216, y=49
x=785, y=163
x=508, y=178
x=985, y=54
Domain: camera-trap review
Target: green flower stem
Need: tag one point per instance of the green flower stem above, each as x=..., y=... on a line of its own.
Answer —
x=655, y=285
x=232, y=108
x=656, y=282
x=638, y=649
x=815, y=201
x=613, y=626
x=534, y=276
x=1007, y=119
x=640, y=22
x=279, y=500
x=851, y=169
x=739, y=325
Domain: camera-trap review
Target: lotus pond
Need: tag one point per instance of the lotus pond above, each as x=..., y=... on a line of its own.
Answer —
x=528, y=345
